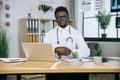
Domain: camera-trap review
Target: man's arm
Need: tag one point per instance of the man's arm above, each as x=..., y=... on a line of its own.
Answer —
x=81, y=46
x=62, y=51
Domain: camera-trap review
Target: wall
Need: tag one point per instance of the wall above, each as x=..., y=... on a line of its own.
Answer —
x=110, y=49
x=91, y=26
x=20, y=9
x=90, y=22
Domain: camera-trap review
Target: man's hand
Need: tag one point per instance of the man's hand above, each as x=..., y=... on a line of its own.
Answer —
x=62, y=51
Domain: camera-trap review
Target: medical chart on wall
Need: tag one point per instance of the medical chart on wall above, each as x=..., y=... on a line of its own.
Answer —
x=99, y=5
x=85, y=5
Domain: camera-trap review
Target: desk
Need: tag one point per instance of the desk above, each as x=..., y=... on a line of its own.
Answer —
x=33, y=67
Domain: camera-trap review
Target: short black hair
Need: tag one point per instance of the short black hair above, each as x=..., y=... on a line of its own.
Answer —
x=60, y=9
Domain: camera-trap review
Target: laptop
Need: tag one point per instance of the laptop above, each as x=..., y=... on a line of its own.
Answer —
x=38, y=51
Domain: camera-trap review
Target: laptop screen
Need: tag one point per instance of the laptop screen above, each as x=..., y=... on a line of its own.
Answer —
x=38, y=51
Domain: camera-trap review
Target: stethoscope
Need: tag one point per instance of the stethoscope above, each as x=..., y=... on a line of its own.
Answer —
x=69, y=38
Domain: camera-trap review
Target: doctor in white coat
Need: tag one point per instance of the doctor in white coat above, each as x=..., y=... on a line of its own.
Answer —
x=64, y=38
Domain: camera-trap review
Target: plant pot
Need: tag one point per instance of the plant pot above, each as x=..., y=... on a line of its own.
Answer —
x=75, y=62
x=104, y=35
x=97, y=59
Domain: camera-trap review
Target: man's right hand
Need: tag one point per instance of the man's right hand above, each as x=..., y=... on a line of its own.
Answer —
x=62, y=51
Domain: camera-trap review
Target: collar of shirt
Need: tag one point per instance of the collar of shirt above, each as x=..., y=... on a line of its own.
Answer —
x=63, y=30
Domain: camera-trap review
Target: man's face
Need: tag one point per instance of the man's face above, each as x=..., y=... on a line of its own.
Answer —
x=62, y=19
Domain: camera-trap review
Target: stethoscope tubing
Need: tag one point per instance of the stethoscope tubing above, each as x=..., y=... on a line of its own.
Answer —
x=58, y=42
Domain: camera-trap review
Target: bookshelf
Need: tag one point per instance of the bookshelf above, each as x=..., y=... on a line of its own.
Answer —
x=33, y=30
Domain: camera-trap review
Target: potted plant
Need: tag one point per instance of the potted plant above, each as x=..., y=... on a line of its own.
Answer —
x=75, y=59
x=104, y=20
x=97, y=56
x=4, y=51
x=74, y=54
x=45, y=8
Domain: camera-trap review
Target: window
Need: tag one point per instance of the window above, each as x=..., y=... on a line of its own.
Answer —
x=115, y=5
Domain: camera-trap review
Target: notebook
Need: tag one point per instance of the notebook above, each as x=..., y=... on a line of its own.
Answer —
x=38, y=51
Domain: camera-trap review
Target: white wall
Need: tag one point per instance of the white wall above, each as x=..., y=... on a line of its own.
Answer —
x=90, y=24
x=91, y=27
x=20, y=9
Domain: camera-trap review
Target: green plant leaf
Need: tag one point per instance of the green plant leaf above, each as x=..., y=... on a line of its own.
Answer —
x=74, y=54
x=103, y=19
x=45, y=8
x=4, y=49
x=97, y=52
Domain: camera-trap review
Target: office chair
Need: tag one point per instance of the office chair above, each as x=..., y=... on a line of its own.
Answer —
x=93, y=46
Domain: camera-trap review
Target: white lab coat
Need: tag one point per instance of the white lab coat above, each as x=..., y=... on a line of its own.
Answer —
x=77, y=42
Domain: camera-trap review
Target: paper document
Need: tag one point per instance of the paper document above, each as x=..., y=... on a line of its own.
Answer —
x=13, y=59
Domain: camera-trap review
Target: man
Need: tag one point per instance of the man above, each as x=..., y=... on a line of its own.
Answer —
x=65, y=39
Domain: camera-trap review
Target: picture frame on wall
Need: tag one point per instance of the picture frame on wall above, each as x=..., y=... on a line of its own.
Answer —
x=117, y=22
x=115, y=5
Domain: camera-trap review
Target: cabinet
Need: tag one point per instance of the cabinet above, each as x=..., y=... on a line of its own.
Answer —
x=33, y=30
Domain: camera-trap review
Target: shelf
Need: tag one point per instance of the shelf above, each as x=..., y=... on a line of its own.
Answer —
x=103, y=39
x=31, y=30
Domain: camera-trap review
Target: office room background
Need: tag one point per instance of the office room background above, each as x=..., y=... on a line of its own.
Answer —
x=14, y=10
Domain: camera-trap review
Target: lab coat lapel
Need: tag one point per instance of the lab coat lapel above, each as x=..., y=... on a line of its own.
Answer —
x=64, y=33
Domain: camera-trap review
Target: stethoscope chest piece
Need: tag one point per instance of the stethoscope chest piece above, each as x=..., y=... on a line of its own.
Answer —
x=58, y=42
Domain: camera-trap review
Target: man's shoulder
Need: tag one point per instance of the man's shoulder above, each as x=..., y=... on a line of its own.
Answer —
x=51, y=31
x=75, y=30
